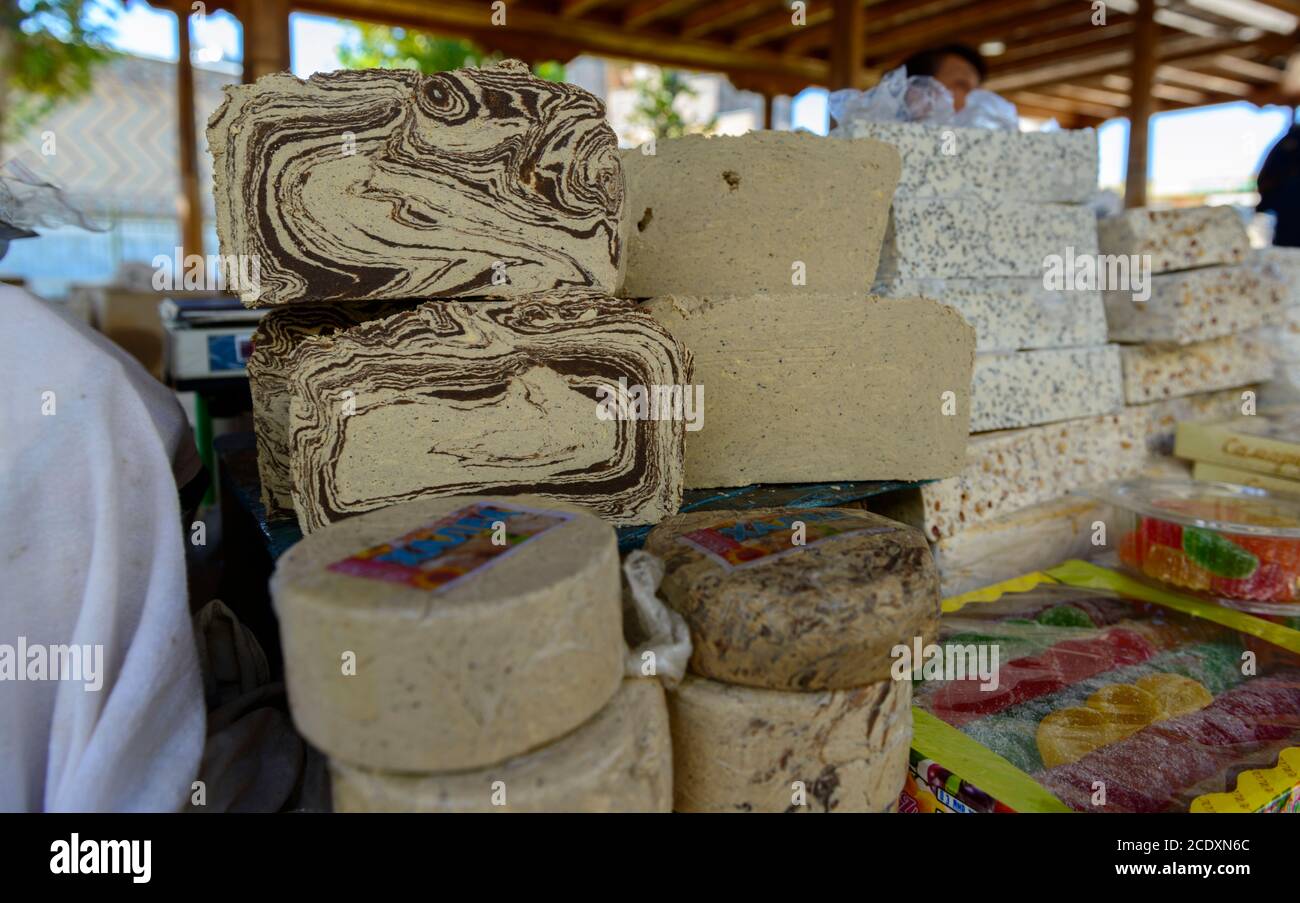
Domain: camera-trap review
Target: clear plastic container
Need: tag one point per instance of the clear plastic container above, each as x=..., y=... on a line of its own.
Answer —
x=1237, y=545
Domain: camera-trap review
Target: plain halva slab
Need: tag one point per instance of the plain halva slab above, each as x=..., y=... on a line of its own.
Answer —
x=942, y=160
x=1178, y=238
x=1155, y=372
x=1195, y=305
x=620, y=760
x=382, y=184
x=1016, y=469
x=1020, y=542
x=822, y=614
x=740, y=749
x=1025, y=388
x=949, y=238
x=1011, y=314
x=490, y=397
x=763, y=212
x=459, y=659
x=278, y=333
x=859, y=384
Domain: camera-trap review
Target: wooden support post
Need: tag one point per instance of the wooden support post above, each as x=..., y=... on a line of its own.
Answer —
x=847, y=43
x=188, y=207
x=767, y=111
x=1145, y=49
x=266, y=37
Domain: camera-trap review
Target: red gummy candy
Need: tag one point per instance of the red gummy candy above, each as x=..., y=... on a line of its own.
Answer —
x=1130, y=550
x=1268, y=584
x=1161, y=533
x=1285, y=553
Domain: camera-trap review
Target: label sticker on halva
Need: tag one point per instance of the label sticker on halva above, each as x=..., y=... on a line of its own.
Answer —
x=743, y=543
x=453, y=548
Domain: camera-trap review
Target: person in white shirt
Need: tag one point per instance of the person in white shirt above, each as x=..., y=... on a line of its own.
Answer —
x=101, y=699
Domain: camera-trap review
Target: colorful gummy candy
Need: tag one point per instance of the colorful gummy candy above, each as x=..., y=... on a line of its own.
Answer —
x=1254, y=568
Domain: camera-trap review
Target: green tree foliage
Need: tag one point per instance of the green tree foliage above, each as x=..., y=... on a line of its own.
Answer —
x=656, y=105
x=387, y=47
x=49, y=50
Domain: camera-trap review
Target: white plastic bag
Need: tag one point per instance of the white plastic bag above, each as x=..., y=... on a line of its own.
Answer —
x=919, y=98
x=650, y=626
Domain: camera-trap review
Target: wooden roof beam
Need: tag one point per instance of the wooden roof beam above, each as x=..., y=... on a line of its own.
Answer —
x=469, y=18
x=1064, y=105
x=643, y=12
x=1247, y=68
x=769, y=28
x=1205, y=81
x=953, y=26
x=571, y=9
x=718, y=14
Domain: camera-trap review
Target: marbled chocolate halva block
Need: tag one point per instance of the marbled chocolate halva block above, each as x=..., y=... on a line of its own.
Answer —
x=1013, y=314
x=497, y=397
x=1177, y=239
x=1026, y=388
x=801, y=388
x=948, y=238
x=779, y=212
x=796, y=599
x=946, y=161
x=1154, y=372
x=278, y=333
x=1195, y=305
x=1016, y=469
x=384, y=184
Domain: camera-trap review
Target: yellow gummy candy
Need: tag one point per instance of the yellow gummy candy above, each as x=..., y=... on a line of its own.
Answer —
x=1126, y=709
x=1176, y=693
x=1068, y=735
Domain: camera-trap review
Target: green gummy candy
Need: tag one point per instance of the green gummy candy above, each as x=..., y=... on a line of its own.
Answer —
x=1064, y=616
x=1219, y=556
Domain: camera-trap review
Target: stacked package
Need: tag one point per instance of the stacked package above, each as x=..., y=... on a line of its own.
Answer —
x=805, y=377
x=1283, y=264
x=1190, y=319
x=1261, y=451
x=790, y=704
x=440, y=253
x=992, y=224
x=467, y=655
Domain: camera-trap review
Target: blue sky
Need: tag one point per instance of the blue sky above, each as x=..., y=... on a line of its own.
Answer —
x=1193, y=151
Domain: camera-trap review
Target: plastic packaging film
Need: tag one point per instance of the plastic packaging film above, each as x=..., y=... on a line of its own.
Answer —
x=1086, y=689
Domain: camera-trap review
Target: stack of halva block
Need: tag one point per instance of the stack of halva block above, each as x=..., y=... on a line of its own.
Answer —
x=755, y=252
x=993, y=224
x=790, y=704
x=440, y=254
x=1192, y=326
x=443, y=672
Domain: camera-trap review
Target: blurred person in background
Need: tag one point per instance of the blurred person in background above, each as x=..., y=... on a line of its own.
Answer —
x=957, y=67
x=1279, y=188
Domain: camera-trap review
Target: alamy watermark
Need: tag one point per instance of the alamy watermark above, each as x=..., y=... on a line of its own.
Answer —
x=1098, y=272
x=24, y=661
x=655, y=402
x=951, y=661
x=239, y=273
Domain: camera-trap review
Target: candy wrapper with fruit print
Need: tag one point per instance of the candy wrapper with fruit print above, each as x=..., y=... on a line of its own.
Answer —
x=1109, y=695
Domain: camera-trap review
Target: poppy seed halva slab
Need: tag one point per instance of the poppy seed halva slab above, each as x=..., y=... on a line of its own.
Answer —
x=491, y=397
x=384, y=184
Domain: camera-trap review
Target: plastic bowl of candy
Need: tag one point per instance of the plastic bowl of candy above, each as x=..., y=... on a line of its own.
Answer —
x=1235, y=544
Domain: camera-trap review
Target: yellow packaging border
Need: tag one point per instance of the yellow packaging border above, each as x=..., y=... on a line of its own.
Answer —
x=935, y=739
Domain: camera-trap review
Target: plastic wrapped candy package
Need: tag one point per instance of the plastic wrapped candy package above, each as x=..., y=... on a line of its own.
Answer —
x=920, y=98
x=1109, y=696
x=1233, y=544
